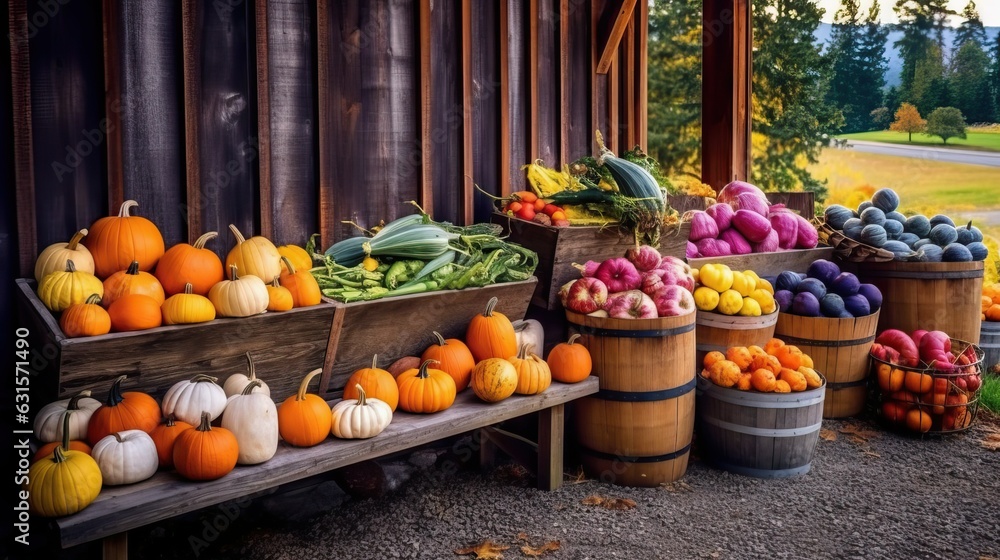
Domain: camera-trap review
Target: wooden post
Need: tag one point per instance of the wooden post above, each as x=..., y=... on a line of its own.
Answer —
x=726, y=64
x=550, y=447
x=116, y=546
x=24, y=162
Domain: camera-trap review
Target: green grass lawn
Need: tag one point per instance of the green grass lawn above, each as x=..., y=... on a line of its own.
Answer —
x=990, y=393
x=988, y=141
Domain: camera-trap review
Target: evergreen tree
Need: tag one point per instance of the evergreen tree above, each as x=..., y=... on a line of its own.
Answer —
x=922, y=23
x=859, y=64
x=971, y=28
x=930, y=88
x=674, y=105
x=996, y=74
x=790, y=82
x=893, y=98
x=970, y=83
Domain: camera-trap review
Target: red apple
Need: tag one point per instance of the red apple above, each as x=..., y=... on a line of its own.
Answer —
x=631, y=304
x=673, y=301
x=587, y=295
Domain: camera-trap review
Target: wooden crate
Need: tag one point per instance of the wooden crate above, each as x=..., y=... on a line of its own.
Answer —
x=402, y=326
x=769, y=264
x=284, y=346
x=804, y=203
x=559, y=247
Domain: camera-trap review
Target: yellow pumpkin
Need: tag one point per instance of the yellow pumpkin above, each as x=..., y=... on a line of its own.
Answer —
x=187, y=307
x=59, y=290
x=278, y=297
x=493, y=379
x=53, y=258
x=533, y=374
x=63, y=483
x=256, y=256
x=239, y=296
x=298, y=256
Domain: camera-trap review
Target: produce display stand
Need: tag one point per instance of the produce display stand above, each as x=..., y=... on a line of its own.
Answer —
x=402, y=326
x=122, y=508
x=284, y=346
x=769, y=264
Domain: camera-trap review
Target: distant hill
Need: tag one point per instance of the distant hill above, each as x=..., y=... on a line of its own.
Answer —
x=825, y=30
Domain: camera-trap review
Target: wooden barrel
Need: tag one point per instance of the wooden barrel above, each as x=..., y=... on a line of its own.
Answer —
x=989, y=341
x=766, y=435
x=636, y=431
x=839, y=348
x=716, y=331
x=931, y=296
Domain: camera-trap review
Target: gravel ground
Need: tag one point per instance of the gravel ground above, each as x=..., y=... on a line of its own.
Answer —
x=873, y=495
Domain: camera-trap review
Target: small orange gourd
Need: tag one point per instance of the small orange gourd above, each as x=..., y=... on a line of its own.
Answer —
x=131, y=410
x=131, y=281
x=164, y=436
x=493, y=379
x=570, y=362
x=135, y=312
x=304, y=419
x=453, y=357
x=116, y=241
x=85, y=319
x=491, y=334
x=425, y=390
x=205, y=453
x=194, y=264
x=377, y=383
x=301, y=284
x=278, y=297
x=533, y=375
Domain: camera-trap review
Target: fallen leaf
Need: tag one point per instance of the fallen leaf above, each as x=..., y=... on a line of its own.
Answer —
x=828, y=435
x=855, y=430
x=594, y=500
x=487, y=550
x=578, y=478
x=522, y=536
x=992, y=442
x=620, y=504
x=547, y=547
x=676, y=486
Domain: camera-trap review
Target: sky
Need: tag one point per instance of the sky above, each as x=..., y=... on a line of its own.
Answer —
x=989, y=10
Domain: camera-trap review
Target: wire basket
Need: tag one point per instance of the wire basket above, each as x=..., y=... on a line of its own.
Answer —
x=925, y=399
x=847, y=248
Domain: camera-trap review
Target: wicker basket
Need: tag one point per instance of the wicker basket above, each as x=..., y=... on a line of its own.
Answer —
x=847, y=248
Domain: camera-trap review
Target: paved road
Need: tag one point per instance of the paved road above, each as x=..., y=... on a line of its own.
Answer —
x=972, y=157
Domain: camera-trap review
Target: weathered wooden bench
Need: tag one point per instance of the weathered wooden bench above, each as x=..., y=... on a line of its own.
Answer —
x=120, y=509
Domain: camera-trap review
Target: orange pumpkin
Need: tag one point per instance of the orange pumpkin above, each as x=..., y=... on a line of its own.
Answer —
x=297, y=256
x=194, y=264
x=205, y=453
x=164, y=436
x=130, y=410
x=302, y=285
x=425, y=390
x=85, y=319
x=278, y=297
x=491, y=334
x=377, y=383
x=533, y=375
x=304, y=419
x=135, y=312
x=570, y=362
x=116, y=241
x=789, y=356
x=453, y=357
x=131, y=281
x=993, y=313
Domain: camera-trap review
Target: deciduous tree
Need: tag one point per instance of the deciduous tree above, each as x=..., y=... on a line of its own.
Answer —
x=946, y=122
x=908, y=120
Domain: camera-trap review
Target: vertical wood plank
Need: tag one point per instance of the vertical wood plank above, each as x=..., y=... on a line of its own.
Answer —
x=287, y=120
x=577, y=108
x=143, y=77
x=534, y=17
x=24, y=170
x=599, y=82
x=520, y=91
x=68, y=129
x=329, y=116
x=642, y=87
x=468, y=105
x=548, y=109
x=629, y=78
x=505, y=137
x=115, y=547
x=550, y=447
x=426, y=107
x=446, y=111
x=220, y=102
x=488, y=105
x=564, y=86
x=614, y=124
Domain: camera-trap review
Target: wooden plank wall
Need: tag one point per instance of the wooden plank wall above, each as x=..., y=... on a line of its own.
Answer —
x=289, y=117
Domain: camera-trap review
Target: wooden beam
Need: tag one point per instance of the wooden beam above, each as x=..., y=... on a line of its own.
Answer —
x=611, y=136
x=505, y=139
x=113, y=94
x=564, y=81
x=327, y=226
x=264, y=120
x=611, y=38
x=628, y=95
x=550, y=447
x=192, y=108
x=726, y=67
x=468, y=97
x=642, y=87
x=426, y=108
x=24, y=174
x=534, y=142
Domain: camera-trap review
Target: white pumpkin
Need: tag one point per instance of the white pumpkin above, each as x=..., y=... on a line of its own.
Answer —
x=236, y=382
x=531, y=332
x=126, y=457
x=49, y=421
x=53, y=258
x=186, y=400
x=360, y=419
x=252, y=417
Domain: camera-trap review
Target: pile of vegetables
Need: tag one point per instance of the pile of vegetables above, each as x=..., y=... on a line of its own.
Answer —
x=775, y=368
x=415, y=254
x=927, y=380
x=991, y=302
x=627, y=190
x=824, y=291
x=121, y=278
x=742, y=221
x=879, y=223
x=527, y=206
x=731, y=292
x=641, y=285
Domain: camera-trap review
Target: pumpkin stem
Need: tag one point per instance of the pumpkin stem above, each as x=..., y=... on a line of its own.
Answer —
x=522, y=353
x=250, y=387
x=57, y=455
x=123, y=212
x=206, y=422
x=94, y=299
x=232, y=273
x=205, y=238
x=170, y=420
x=275, y=282
x=250, y=367
x=74, y=402
x=115, y=394
x=133, y=268
x=188, y=288
x=288, y=263
x=573, y=338
x=362, y=396
x=65, y=429
x=375, y=361
x=490, y=305
x=304, y=386
x=202, y=378
x=236, y=233
x=441, y=340
x=70, y=265
x=118, y=436
x=75, y=240
x=422, y=373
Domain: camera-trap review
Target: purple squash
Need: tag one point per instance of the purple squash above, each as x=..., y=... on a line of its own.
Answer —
x=845, y=284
